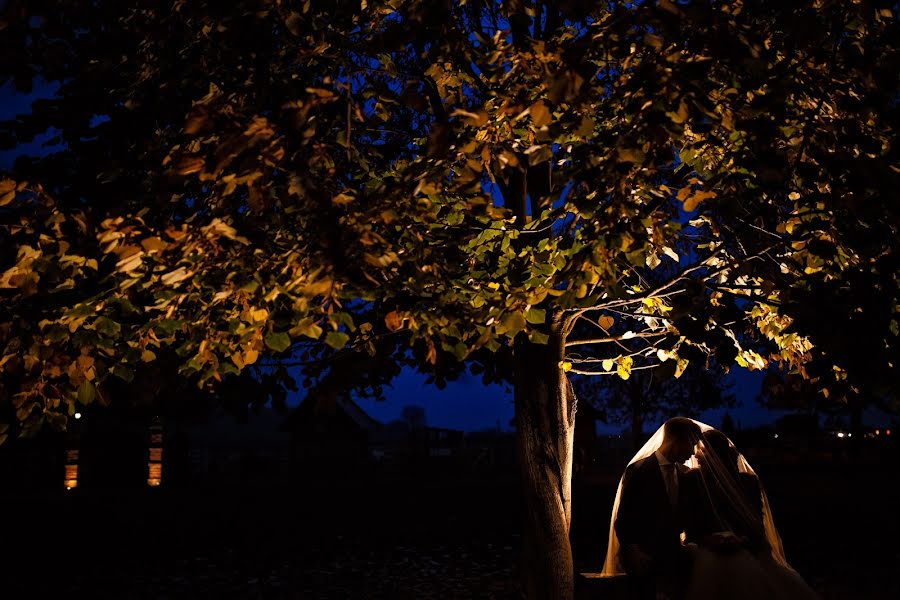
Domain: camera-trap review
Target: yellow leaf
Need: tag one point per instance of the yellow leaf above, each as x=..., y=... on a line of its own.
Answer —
x=258, y=315
x=130, y=263
x=189, y=164
x=632, y=155
x=586, y=127
x=153, y=244
x=250, y=356
x=565, y=365
x=608, y=364
x=393, y=320
x=606, y=322
x=173, y=277
x=342, y=199
x=681, y=115
x=696, y=198
x=623, y=367
x=540, y=114
x=476, y=119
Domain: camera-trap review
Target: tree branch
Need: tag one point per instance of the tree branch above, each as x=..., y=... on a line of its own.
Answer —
x=581, y=372
x=646, y=334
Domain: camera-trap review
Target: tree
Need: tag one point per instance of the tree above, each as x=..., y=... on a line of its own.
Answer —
x=366, y=184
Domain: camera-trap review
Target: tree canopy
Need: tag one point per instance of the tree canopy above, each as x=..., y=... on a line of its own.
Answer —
x=424, y=182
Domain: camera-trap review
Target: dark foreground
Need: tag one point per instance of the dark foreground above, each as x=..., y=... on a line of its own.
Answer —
x=452, y=537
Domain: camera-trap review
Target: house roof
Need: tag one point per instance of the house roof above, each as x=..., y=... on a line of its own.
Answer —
x=323, y=404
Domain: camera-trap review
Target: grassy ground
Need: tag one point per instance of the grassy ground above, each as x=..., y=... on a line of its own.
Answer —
x=437, y=538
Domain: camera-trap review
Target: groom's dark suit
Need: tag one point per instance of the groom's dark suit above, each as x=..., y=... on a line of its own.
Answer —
x=648, y=521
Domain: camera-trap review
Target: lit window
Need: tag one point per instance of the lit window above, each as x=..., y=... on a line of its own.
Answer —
x=71, y=481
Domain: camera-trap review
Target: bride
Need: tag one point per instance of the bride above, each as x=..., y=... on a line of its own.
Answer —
x=728, y=531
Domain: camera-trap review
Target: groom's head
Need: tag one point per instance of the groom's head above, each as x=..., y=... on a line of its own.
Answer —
x=680, y=435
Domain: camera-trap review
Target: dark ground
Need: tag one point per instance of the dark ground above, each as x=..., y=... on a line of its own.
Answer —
x=435, y=538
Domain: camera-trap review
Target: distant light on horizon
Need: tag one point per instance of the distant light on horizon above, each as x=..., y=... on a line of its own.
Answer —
x=78, y=415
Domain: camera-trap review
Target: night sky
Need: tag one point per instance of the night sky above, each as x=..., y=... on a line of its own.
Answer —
x=471, y=406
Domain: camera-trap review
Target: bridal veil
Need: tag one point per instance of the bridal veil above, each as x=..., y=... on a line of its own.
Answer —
x=715, y=476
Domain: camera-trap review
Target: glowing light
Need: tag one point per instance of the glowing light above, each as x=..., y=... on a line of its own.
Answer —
x=840, y=434
x=849, y=435
x=71, y=480
x=877, y=432
x=887, y=432
x=155, y=454
x=154, y=476
x=776, y=436
x=77, y=415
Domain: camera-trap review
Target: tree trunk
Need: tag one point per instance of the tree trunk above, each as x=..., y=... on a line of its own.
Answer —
x=545, y=426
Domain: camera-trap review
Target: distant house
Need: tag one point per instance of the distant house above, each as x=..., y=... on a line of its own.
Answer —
x=225, y=449
x=330, y=432
x=444, y=446
x=491, y=450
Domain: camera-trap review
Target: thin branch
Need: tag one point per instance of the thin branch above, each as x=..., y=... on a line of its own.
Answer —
x=766, y=231
x=645, y=334
x=581, y=372
x=662, y=290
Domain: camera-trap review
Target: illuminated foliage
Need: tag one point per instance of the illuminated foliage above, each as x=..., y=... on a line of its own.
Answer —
x=436, y=180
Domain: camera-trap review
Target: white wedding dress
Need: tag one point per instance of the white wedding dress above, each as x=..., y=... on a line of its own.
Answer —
x=736, y=574
x=743, y=576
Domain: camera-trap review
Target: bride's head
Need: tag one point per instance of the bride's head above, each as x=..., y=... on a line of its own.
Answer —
x=715, y=449
x=680, y=435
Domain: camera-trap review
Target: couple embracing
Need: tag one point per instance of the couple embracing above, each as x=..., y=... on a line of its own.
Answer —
x=691, y=521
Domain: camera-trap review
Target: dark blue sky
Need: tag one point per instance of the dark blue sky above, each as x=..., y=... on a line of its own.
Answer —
x=469, y=405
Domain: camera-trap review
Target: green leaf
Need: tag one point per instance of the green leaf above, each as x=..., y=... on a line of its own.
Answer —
x=123, y=373
x=337, y=339
x=107, y=326
x=86, y=392
x=535, y=315
x=169, y=326
x=82, y=310
x=279, y=342
x=308, y=328
x=228, y=368
x=57, y=334
x=511, y=323
x=538, y=337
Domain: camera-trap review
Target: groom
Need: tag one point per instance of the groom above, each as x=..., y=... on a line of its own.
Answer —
x=649, y=521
